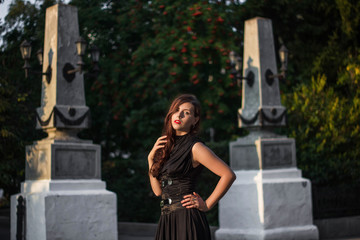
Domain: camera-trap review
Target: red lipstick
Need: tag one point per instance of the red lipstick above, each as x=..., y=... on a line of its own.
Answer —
x=177, y=121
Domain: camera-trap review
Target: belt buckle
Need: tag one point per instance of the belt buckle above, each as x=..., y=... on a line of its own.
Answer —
x=164, y=202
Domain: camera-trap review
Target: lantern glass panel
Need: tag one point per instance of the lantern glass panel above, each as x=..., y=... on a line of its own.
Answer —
x=283, y=52
x=39, y=55
x=25, y=49
x=232, y=56
x=95, y=54
x=80, y=46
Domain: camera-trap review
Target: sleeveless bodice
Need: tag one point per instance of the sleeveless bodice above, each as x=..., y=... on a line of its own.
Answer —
x=178, y=176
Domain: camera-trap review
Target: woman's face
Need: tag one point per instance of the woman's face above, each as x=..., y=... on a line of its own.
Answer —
x=183, y=119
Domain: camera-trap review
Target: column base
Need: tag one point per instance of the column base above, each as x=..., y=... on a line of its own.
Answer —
x=267, y=204
x=71, y=209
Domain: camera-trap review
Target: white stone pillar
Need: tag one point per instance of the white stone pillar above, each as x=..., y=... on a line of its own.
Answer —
x=269, y=199
x=64, y=197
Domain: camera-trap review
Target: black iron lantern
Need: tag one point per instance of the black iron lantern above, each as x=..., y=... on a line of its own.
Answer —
x=68, y=70
x=236, y=69
x=283, y=55
x=25, y=49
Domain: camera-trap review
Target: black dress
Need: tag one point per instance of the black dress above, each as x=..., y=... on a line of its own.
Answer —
x=178, y=178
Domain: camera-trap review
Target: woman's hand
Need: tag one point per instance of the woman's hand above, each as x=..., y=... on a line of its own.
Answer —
x=160, y=143
x=194, y=201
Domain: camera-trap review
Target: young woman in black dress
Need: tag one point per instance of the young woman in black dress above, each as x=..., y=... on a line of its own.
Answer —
x=175, y=162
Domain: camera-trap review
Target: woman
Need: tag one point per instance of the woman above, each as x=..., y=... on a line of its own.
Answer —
x=175, y=162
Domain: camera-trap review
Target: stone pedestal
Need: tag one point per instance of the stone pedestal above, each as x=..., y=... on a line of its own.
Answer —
x=262, y=150
x=267, y=204
x=269, y=199
x=66, y=209
x=63, y=196
x=57, y=159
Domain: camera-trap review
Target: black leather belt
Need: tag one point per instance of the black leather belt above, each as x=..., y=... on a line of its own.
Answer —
x=169, y=208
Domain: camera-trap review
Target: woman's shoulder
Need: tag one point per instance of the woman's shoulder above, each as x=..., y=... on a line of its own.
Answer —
x=194, y=139
x=198, y=145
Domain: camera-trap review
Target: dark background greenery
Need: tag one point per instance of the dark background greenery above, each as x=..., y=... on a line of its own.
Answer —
x=153, y=50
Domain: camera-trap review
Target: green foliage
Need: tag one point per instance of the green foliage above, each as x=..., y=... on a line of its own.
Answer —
x=350, y=19
x=162, y=50
x=159, y=50
x=324, y=113
x=327, y=138
x=321, y=90
x=152, y=51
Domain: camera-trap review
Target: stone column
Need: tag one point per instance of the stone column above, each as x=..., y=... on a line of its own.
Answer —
x=269, y=199
x=63, y=195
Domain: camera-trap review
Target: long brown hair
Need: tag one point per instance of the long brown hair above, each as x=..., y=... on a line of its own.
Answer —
x=163, y=154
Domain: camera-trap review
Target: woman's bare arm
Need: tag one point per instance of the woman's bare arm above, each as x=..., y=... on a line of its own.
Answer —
x=204, y=156
x=155, y=184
